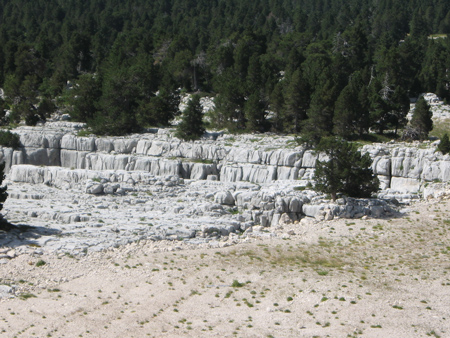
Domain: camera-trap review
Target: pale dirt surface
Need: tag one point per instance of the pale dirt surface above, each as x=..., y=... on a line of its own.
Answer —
x=341, y=278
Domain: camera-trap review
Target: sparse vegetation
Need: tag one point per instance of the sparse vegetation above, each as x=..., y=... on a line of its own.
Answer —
x=40, y=263
x=236, y=284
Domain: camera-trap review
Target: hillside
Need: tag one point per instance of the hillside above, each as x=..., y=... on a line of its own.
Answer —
x=117, y=226
x=319, y=66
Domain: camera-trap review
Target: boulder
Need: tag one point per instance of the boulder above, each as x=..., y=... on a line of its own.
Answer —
x=385, y=182
x=6, y=291
x=85, y=144
x=143, y=146
x=158, y=148
x=312, y=210
x=94, y=188
x=27, y=174
x=68, y=142
x=18, y=157
x=435, y=190
x=259, y=174
x=284, y=219
x=224, y=198
x=295, y=205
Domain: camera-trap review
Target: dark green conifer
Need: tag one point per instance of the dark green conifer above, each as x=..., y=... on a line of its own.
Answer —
x=421, y=120
x=346, y=170
x=191, y=126
x=444, y=145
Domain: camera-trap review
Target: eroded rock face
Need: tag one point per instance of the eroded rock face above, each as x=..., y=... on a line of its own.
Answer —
x=252, y=175
x=110, y=191
x=95, y=192
x=258, y=160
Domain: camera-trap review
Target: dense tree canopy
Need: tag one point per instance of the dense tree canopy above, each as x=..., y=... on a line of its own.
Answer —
x=334, y=67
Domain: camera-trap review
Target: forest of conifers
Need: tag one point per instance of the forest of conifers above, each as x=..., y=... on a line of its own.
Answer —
x=340, y=67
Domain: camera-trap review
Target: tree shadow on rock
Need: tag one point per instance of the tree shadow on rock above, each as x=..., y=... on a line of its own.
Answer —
x=12, y=235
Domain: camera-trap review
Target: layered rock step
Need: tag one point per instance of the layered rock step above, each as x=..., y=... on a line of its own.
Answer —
x=226, y=158
x=90, y=193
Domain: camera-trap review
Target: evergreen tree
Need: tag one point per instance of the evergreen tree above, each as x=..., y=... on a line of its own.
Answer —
x=276, y=105
x=351, y=114
x=255, y=113
x=22, y=96
x=378, y=107
x=418, y=25
x=229, y=103
x=159, y=110
x=297, y=99
x=421, y=120
x=346, y=112
x=399, y=108
x=444, y=145
x=3, y=108
x=84, y=97
x=346, y=170
x=191, y=126
x=388, y=104
x=321, y=110
x=119, y=104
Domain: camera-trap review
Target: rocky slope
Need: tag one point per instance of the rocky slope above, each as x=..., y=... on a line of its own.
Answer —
x=95, y=192
x=252, y=158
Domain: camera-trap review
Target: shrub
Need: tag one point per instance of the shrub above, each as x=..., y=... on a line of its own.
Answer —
x=8, y=139
x=236, y=284
x=40, y=263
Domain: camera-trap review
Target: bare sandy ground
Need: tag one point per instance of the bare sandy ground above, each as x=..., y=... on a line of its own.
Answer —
x=341, y=278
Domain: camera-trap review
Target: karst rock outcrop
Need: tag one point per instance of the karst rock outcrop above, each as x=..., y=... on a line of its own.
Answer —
x=216, y=186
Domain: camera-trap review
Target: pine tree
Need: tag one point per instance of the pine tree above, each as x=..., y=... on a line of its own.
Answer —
x=276, y=105
x=444, y=145
x=297, y=101
x=421, y=120
x=321, y=110
x=229, y=103
x=191, y=126
x=84, y=97
x=255, y=113
x=351, y=113
x=346, y=171
x=119, y=104
x=345, y=113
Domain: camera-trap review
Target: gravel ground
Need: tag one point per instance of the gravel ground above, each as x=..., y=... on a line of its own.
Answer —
x=340, y=278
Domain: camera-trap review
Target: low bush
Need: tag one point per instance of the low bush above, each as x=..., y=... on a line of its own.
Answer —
x=8, y=139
